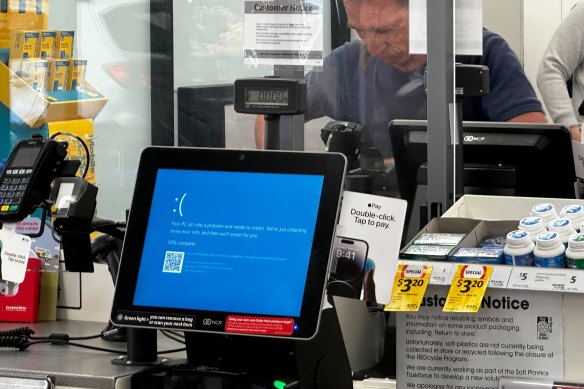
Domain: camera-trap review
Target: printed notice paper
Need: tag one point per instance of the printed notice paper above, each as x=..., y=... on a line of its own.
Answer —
x=468, y=27
x=283, y=32
x=514, y=333
x=379, y=221
x=14, y=252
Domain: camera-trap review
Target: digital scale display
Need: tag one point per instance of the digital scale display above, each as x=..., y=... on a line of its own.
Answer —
x=269, y=95
x=266, y=96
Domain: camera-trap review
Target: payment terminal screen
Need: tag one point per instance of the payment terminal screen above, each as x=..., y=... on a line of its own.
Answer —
x=229, y=241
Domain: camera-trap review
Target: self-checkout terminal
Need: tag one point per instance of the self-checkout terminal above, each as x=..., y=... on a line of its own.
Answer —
x=218, y=245
x=223, y=249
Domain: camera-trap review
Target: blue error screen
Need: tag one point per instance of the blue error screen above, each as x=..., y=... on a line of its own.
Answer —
x=229, y=241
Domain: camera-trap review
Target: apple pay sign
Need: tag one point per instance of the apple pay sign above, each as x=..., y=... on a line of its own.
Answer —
x=14, y=250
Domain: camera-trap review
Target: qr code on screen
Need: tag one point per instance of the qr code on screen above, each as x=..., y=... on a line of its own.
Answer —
x=173, y=261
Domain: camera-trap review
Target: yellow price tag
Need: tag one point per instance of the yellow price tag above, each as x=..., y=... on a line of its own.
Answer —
x=409, y=286
x=468, y=288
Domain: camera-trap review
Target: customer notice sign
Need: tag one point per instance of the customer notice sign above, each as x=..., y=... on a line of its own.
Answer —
x=514, y=333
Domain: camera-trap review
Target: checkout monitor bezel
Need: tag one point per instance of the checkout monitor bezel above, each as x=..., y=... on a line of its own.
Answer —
x=331, y=166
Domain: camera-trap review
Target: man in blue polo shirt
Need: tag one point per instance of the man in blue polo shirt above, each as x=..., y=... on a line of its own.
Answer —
x=376, y=80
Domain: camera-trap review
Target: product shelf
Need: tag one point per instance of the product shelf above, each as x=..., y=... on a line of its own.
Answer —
x=500, y=208
x=512, y=277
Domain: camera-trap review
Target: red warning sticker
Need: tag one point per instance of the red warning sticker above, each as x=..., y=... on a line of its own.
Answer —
x=259, y=325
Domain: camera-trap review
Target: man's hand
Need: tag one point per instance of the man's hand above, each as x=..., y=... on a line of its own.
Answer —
x=260, y=125
x=576, y=133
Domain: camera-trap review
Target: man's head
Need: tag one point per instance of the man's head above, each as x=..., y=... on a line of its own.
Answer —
x=383, y=25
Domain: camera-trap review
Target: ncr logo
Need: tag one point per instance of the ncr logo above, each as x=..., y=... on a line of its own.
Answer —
x=210, y=322
x=472, y=138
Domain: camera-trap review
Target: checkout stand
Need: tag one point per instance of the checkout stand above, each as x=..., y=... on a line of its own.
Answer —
x=79, y=368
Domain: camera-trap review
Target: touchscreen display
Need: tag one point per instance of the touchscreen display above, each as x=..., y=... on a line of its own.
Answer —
x=228, y=241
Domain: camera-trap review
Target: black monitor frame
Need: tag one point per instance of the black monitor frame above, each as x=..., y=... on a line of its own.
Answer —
x=329, y=165
x=500, y=158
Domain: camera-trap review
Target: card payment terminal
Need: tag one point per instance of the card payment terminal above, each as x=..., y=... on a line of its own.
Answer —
x=26, y=180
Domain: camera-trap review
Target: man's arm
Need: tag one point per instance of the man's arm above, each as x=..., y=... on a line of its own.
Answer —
x=511, y=96
x=530, y=117
x=538, y=117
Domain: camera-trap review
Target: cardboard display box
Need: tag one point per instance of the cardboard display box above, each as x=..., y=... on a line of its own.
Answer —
x=488, y=228
x=442, y=225
x=475, y=230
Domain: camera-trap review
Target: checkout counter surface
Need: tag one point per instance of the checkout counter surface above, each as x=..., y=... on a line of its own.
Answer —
x=74, y=367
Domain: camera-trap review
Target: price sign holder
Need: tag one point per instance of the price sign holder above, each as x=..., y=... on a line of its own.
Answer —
x=468, y=288
x=549, y=279
x=409, y=286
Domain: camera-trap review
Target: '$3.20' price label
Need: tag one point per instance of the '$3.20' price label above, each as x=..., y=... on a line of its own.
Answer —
x=409, y=286
x=468, y=288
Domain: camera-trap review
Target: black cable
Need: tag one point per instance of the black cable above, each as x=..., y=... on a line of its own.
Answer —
x=20, y=338
x=65, y=337
x=176, y=350
x=20, y=342
x=107, y=350
x=173, y=336
x=56, y=237
x=178, y=334
x=66, y=343
x=26, y=331
x=82, y=143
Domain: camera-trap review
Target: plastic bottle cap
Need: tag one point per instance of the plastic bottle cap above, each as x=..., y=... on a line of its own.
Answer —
x=548, y=239
x=576, y=241
x=531, y=223
x=573, y=211
x=518, y=238
x=561, y=226
x=543, y=208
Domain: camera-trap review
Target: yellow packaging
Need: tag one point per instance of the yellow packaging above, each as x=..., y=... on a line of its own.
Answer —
x=47, y=40
x=64, y=44
x=27, y=14
x=23, y=44
x=35, y=73
x=3, y=21
x=28, y=6
x=76, y=78
x=58, y=71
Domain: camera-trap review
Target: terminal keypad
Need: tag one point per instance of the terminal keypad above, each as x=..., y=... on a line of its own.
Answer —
x=12, y=189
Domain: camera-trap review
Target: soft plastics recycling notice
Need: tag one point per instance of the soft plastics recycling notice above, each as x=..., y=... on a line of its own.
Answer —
x=514, y=333
x=283, y=32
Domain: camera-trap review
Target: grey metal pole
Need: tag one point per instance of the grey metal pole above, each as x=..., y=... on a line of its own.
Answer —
x=291, y=126
x=440, y=82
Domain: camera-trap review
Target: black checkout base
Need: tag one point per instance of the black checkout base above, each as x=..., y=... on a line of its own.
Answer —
x=222, y=361
x=246, y=362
